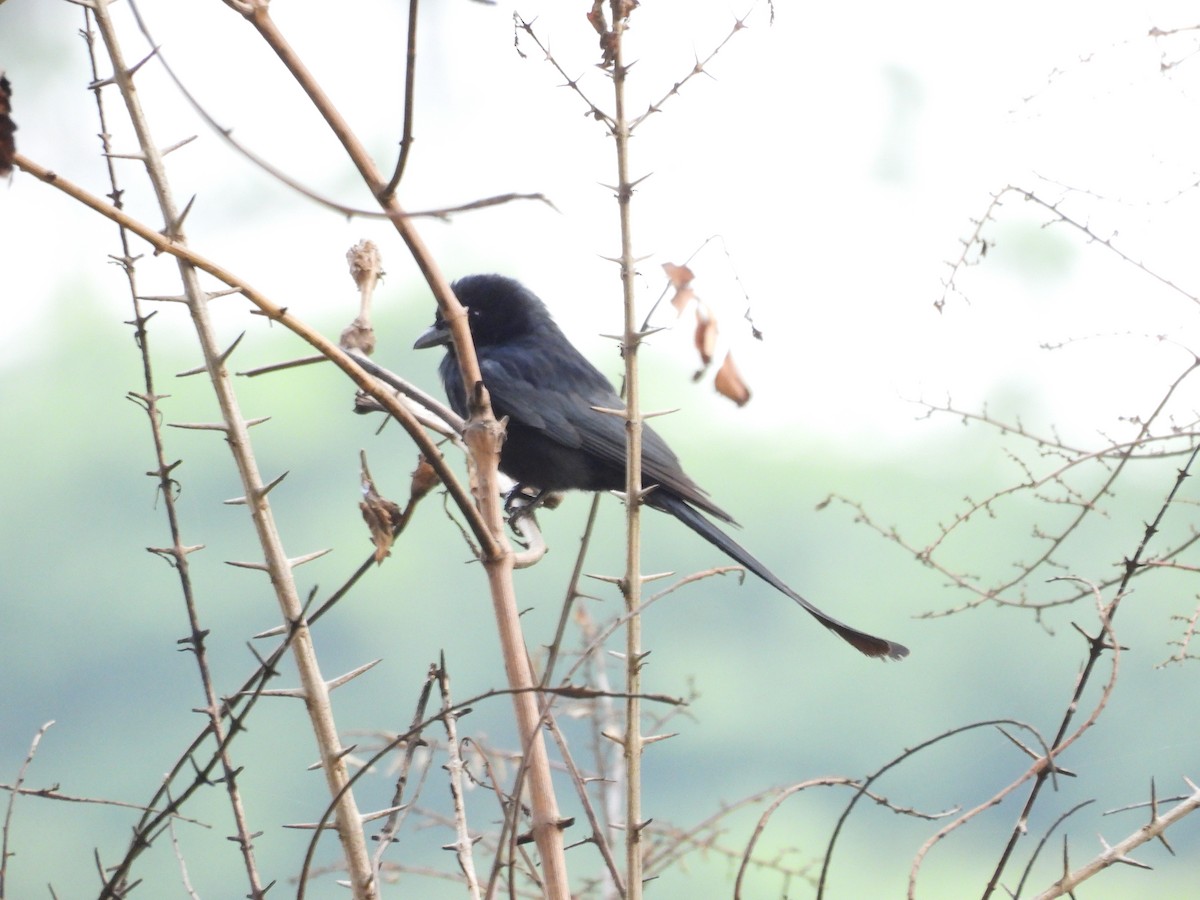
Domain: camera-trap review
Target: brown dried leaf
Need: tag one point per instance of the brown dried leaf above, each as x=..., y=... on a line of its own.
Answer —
x=424, y=479
x=681, y=279
x=679, y=276
x=729, y=382
x=358, y=335
x=706, y=334
x=381, y=515
x=596, y=17
x=365, y=262
x=8, y=146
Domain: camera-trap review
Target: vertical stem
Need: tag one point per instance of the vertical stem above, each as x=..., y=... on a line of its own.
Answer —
x=237, y=434
x=484, y=439
x=632, y=584
x=179, y=551
x=547, y=827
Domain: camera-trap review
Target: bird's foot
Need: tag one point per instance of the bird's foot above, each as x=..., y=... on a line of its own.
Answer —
x=522, y=500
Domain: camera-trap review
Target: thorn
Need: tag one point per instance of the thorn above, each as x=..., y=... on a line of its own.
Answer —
x=199, y=370
x=1125, y=860
x=178, y=144
x=381, y=813
x=173, y=231
x=165, y=298
x=295, y=693
x=1053, y=767
x=344, y=752
x=643, y=494
x=200, y=426
x=619, y=413
x=194, y=639
x=99, y=82
x=279, y=314
x=224, y=356
x=615, y=738
x=136, y=157
x=607, y=579
x=654, y=739
x=457, y=847
x=656, y=577
x=237, y=838
x=132, y=70
x=171, y=552
x=270, y=632
x=261, y=567
x=1162, y=835
x=270, y=486
x=336, y=683
x=308, y=557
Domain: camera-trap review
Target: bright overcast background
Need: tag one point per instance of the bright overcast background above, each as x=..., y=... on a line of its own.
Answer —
x=838, y=154
x=831, y=163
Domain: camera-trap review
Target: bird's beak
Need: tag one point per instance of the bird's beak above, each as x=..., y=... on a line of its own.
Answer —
x=436, y=335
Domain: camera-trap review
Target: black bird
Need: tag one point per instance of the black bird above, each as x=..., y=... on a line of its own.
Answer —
x=556, y=439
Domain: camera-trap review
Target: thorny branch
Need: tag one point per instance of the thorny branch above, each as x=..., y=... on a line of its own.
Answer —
x=165, y=472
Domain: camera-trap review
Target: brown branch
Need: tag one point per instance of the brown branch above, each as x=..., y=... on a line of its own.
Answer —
x=179, y=551
x=1119, y=853
x=482, y=436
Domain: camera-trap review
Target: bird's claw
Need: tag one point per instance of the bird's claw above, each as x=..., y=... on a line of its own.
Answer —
x=520, y=502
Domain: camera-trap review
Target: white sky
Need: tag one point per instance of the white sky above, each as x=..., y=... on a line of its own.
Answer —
x=840, y=153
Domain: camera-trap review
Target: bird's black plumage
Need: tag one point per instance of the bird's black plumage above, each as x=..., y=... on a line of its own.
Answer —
x=556, y=438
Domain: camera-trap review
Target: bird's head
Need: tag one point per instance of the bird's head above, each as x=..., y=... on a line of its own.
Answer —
x=499, y=310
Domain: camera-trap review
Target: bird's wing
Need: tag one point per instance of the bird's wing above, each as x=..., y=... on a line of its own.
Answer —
x=559, y=394
x=553, y=396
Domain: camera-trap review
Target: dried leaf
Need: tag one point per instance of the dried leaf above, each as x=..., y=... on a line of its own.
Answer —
x=424, y=479
x=679, y=276
x=381, y=515
x=681, y=279
x=365, y=262
x=706, y=335
x=8, y=146
x=729, y=382
x=596, y=17
x=358, y=335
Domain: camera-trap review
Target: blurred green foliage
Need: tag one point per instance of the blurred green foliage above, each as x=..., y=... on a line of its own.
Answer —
x=91, y=622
